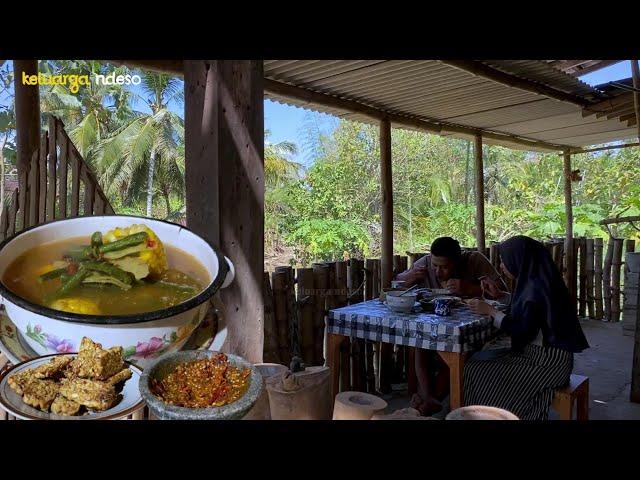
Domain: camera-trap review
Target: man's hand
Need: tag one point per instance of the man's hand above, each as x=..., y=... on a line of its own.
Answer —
x=454, y=285
x=415, y=275
x=483, y=308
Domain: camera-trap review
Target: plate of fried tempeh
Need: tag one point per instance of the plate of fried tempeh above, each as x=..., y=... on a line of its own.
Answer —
x=93, y=384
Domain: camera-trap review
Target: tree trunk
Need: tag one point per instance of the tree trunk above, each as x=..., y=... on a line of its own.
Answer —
x=167, y=203
x=2, y=173
x=410, y=227
x=466, y=175
x=152, y=166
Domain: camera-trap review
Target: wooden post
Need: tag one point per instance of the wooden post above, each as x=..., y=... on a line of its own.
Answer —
x=582, y=245
x=606, y=280
x=635, y=74
x=597, y=253
x=306, y=302
x=590, y=277
x=224, y=146
x=271, y=353
x=34, y=187
x=630, y=246
x=341, y=284
x=480, y=237
x=279, y=284
x=53, y=176
x=568, y=246
x=42, y=169
x=368, y=282
x=387, y=202
x=321, y=283
x=558, y=253
x=355, y=277
x=64, y=158
x=375, y=279
x=27, y=110
x=635, y=368
x=616, y=263
x=493, y=255
x=345, y=365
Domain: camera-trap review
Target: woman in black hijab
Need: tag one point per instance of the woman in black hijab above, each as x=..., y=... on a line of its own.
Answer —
x=544, y=331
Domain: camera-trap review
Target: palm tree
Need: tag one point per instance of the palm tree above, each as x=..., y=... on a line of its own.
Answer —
x=131, y=157
x=94, y=111
x=277, y=164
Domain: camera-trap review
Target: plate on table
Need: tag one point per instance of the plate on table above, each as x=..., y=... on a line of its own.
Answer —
x=129, y=402
x=452, y=299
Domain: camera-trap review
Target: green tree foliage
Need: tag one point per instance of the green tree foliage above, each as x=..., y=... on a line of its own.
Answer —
x=334, y=210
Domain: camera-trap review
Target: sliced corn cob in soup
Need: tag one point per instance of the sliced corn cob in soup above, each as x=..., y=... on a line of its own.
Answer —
x=120, y=272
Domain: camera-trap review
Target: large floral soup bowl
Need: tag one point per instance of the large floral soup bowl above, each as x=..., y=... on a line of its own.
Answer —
x=144, y=336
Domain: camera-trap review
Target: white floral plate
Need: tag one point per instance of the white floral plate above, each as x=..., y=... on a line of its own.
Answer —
x=18, y=350
x=12, y=403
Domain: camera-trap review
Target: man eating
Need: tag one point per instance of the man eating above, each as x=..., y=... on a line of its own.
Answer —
x=463, y=274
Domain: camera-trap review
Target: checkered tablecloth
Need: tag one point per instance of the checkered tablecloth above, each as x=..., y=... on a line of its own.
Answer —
x=372, y=320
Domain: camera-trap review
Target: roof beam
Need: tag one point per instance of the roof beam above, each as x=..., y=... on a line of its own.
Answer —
x=481, y=70
x=593, y=68
x=600, y=149
x=606, y=106
x=432, y=126
x=172, y=67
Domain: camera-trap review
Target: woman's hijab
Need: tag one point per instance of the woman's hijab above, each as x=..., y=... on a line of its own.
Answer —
x=541, y=288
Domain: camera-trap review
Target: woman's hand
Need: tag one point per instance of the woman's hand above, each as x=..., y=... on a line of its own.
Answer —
x=490, y=287
x=483, y=308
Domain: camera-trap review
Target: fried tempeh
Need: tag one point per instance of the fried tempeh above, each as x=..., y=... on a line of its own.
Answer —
x=93, y=362
x=92, y=394
x=64, y=406
x=121, y=376
x=40, y=393
x=56, y=365
x=18, y=381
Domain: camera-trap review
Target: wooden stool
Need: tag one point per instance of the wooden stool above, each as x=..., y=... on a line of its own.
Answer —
x=577, y=390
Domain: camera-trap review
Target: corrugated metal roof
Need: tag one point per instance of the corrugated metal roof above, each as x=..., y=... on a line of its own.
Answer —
x=434, y=91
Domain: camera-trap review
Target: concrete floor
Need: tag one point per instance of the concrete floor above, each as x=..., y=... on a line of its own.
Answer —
x=607, y=364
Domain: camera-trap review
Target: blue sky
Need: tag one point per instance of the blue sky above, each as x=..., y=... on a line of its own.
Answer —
x=617, y=71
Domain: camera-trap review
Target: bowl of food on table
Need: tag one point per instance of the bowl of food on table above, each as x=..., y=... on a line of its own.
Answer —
x=128, y=281
x=200, y=385
x=401, y=302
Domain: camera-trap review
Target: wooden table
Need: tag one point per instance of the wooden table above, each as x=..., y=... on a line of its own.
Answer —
x=453, y=337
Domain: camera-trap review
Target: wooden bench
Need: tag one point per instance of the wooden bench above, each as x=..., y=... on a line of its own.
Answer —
x=578, y=391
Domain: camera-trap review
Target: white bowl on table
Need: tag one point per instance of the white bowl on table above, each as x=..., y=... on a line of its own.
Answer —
x=144, y=336
x=401, y=303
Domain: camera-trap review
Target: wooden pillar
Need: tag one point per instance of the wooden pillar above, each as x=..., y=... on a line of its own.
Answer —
x=224, y=143
x=635, y=72
x=387, y=202
x=480, y=238
x=568, y=242
x=635, y=367
x=27, y=105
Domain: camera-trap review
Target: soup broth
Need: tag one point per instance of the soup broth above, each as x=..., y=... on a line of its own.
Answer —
x=185, y=278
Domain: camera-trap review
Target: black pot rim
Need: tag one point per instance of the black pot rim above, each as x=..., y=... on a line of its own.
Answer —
x=206, y=294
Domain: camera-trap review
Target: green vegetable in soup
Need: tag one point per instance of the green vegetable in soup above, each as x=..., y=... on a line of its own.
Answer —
x=110, y=270
x=96, y=277
x=126, y=242
x=52, y=274
x=73, y=282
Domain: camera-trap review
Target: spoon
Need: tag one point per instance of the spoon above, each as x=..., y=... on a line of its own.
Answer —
x=409, y=290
